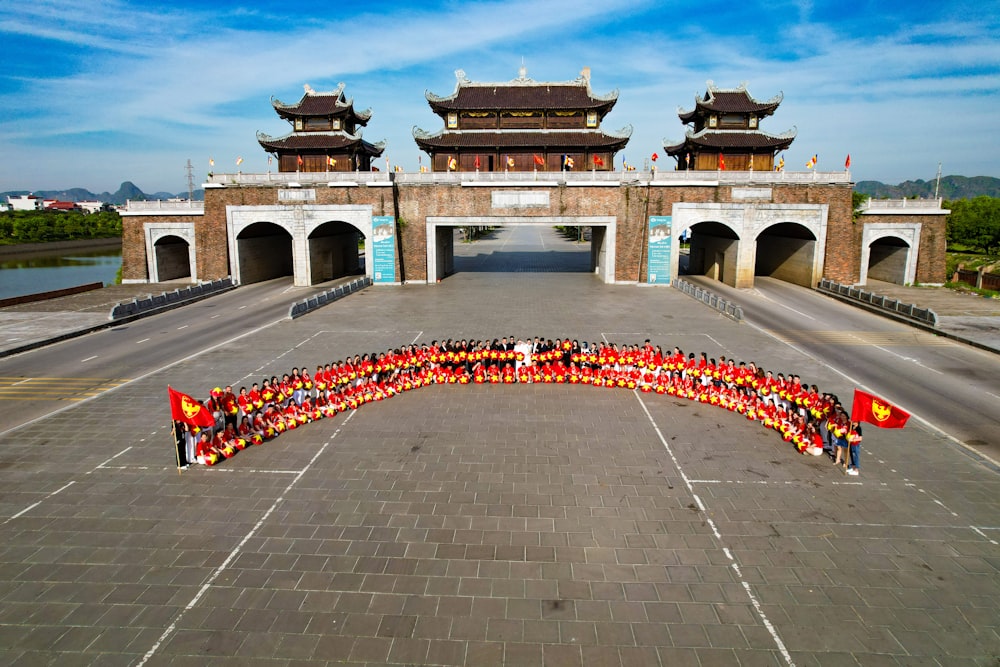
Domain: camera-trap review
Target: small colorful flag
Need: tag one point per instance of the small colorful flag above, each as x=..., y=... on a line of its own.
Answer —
x=722, y=162
x=510, y=162
x=688, y=159
x=477, y=162
x=567, y=162
x=452, y=164
x=239, y=160
x=598, y=161
x=211, y=162
x=397, y=169
x=331, y=161
x=538, y=160
x=423, y=169
x=781, y=164
x=654, y=157
x=299, y=160
x=751, y=162
x=847, y=162
x=269, y=158
x=812, y=161
x=878, y=411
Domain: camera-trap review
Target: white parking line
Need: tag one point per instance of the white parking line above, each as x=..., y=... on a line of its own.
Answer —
x=141, y=341
x=34, y=505
x=185, y=326
x=88, y=359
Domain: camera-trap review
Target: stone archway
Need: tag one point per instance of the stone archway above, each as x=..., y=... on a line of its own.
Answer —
x=889, y=252
x=787, y=251
x=440, y=249
x=746, y=221
x=300, y=221
x=170, y=251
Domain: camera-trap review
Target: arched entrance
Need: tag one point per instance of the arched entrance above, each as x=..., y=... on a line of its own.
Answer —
x=713, y=251
x=442, y=233
x=334, y=251
x=264, y=251
x=173, y=258
x=170, y=251
x=887, y=259
x=786, y=251
x=889, y=252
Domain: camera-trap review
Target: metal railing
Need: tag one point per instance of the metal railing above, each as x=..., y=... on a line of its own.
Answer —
x=300, y=308
x=710, y=299
x=888, y=304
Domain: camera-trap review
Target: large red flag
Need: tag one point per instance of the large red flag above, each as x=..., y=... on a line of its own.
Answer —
x=538, y=160
x=878, y=411
x=185, y=409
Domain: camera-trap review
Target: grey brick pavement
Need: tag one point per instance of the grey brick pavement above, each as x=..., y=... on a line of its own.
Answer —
x=480, y=525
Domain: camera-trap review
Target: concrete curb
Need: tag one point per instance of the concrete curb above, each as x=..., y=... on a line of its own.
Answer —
x=300, y=308
x=710, y=299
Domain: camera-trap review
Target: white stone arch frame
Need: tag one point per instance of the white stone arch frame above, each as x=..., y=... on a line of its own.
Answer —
x=909, y=233
x=605, y=268
x=748, y=221
x=154, y=231
x=299, y=220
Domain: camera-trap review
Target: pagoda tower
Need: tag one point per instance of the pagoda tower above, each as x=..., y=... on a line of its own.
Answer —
x=325, y=136
x=522, y=125
x=725, y=134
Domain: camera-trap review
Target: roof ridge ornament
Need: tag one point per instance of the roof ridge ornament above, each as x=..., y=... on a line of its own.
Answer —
x=460, y=77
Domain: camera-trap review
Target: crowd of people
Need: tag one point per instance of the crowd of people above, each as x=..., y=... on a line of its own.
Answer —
x=813, y=422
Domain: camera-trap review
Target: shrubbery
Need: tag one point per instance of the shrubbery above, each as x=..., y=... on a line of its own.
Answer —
x=44, y=226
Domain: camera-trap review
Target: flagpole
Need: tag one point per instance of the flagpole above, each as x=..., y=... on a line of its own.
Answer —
x=173, y=430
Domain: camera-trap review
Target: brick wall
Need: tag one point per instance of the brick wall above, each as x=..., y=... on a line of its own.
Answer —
x=629, y=204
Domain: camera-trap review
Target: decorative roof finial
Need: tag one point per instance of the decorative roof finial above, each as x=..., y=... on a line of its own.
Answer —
x=585, y=74
x=522, y=72
x=306, y=87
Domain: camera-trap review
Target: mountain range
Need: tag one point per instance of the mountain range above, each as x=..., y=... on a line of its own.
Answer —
x=951, y=187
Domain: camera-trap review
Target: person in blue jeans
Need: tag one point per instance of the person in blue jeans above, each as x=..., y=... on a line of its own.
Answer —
x=854, y=441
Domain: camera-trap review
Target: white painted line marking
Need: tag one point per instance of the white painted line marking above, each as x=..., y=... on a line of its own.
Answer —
x=22, y=381
x=34, y=505
x=101, y=465
x=88, y=359
x=214, y=316
x=236, y=550
x=945, y=507
x=141, y=341
x=241, y=308
x=718, y=536
x=183, y=326
x=993, y=395
x=983, y=534
x=910, y=359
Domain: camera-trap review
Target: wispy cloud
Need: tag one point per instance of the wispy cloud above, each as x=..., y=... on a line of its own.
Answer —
x=147, y=85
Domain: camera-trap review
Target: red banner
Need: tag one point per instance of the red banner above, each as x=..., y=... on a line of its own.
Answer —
x=874, y=410
x=185, y=409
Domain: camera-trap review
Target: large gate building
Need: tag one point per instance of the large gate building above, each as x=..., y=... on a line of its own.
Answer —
x=318, y=219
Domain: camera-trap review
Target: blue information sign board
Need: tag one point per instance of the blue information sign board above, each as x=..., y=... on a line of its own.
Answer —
x=383, y=249
x=658, y=249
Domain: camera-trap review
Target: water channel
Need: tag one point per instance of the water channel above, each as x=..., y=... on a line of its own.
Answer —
x=40, y=270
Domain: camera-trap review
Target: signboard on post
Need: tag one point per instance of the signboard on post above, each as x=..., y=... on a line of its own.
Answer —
x=383, y=249
x=658, y=250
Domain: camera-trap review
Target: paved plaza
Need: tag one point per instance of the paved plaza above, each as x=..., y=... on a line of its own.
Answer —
x=497, y=524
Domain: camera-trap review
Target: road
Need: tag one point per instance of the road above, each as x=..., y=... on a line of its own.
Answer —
x=951, y=386
x=34, y=384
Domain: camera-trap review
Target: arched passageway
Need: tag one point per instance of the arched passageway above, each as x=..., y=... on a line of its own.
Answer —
x=786, y=251
x=713, y=251
x=887, y=259
x=334, y=251
x=173, y=258
x=265, y=252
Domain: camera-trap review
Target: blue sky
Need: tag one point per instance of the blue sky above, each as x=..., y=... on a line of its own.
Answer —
x=95, y=92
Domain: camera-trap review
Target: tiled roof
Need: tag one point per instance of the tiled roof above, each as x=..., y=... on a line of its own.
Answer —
x=317, y=141
x=521, y=93
x=738, y=100
x=313, y=103
x=736, y=139
x=523, y=139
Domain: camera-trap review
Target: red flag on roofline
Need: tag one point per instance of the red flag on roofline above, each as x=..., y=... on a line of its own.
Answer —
x=598, y=161
x=538, y=160
x=655, y=157
x=300, y=160
x=878, y=411
x=185, y=409
x=847, y=162
x=477, y=162
x=722, y=162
